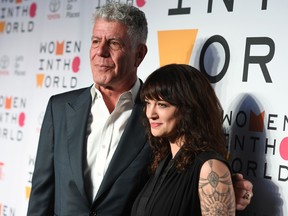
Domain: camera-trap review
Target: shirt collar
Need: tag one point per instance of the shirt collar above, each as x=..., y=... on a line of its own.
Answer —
x=134, y=91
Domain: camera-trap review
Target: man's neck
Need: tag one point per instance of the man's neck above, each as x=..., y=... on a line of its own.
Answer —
x=111, y=96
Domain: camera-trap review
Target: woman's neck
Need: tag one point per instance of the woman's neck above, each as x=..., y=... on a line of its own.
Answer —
x=176, y=145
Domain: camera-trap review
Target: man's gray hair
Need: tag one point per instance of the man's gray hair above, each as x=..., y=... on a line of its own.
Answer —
x=129, y=15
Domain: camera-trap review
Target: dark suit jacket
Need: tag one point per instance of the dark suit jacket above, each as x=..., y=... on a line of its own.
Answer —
x=58, y=183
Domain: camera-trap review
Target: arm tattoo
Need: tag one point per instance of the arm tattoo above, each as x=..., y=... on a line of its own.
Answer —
x=216, y=194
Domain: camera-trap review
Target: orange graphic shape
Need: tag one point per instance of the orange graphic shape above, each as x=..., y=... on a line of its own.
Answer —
x=175, y=46
x=256, y=122
x=18, y=1
x=2, y=26
x=39, y=80
x=59, y=48
x=8, y=102
x=27, y=192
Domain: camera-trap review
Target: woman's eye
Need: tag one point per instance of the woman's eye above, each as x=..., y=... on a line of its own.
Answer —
x=163, y=105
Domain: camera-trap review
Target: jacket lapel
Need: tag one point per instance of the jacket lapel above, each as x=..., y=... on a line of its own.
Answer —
x=77, y=113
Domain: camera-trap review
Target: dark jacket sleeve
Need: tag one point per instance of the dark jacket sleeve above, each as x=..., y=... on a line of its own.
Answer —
x=42, y=194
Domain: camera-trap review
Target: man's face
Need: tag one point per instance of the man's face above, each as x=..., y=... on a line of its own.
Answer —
x=112, y=57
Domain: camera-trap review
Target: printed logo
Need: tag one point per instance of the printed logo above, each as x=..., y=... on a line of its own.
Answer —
x=58, y=64
x=27, y=192
x=2, y=26
x=1, y=170
x=256, y=122
x=18, y=65
x=31, y=164
x=249, y=143
x=17, y=17
x=173, y=50
x=70, y=10
x=12, y=118
x=54, y=6
x=4, y=64
x=6, y=210
x=14, y=65
x=284, y=149
x=140, y=3
x=247, y=127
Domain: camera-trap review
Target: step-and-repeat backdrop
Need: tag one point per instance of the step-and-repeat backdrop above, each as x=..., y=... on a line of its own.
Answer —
x=241, y=45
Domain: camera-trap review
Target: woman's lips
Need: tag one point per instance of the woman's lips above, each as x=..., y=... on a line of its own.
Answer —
x=154, y=124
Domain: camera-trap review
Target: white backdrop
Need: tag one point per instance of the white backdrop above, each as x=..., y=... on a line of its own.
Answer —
x=242, y=45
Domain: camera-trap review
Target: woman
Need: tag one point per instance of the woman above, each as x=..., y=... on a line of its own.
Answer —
x=184, y=126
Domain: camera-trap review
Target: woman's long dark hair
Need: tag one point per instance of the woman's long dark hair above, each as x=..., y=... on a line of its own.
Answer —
x=199, y=112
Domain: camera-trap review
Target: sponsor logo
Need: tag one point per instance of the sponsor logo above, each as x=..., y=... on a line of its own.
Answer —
x=63, y=10
x=4, y=65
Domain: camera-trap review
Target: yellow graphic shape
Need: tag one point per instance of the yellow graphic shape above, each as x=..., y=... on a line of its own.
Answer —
x=27, y=192
x=59, y=48
x=175, y=46
x=2, y=26
x=256, y=122
x=39, y=80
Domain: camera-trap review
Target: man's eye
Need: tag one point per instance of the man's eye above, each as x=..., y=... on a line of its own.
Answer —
x=95, y=43
x=114, y=45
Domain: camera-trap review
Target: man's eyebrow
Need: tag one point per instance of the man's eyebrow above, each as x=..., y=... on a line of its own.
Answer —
x=111, y=38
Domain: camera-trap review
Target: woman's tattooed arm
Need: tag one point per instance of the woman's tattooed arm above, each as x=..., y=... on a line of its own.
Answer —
x=216, y=191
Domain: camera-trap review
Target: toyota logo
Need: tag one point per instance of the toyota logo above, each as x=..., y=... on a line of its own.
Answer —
x=54, y=5
x=4, y=62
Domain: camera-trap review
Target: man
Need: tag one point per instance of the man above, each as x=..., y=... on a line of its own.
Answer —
x=93, y=154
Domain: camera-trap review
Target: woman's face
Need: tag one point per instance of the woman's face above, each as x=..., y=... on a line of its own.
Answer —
x=162, y=118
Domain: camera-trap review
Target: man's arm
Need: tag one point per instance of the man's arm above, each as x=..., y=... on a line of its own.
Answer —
x=243, y=191
x=42, y=194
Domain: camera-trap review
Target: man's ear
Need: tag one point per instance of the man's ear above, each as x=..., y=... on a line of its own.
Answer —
x=140, y=54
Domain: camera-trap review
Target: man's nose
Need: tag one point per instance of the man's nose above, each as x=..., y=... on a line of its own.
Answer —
x=103, y=49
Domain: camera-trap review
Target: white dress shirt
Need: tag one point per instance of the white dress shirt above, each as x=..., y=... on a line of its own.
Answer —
x=103, y=134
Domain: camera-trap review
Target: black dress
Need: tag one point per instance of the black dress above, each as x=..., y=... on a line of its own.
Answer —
x=172, y=193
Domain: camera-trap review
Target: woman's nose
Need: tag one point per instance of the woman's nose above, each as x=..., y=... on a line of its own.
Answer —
x=151, y=112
